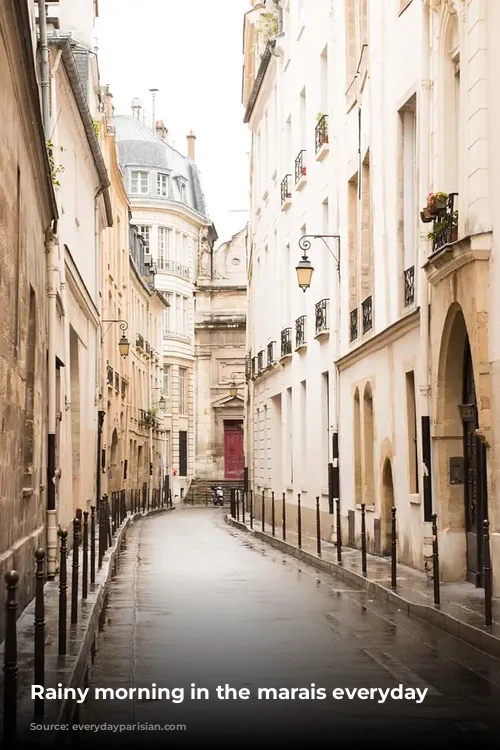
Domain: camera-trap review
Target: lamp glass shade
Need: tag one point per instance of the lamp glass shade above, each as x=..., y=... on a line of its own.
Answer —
x=124, y=346
x=233, y=390
x=162, y=402
x=304, y=273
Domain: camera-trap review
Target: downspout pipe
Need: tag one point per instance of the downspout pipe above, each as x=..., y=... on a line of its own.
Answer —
x=424, y=295
x=44, y=67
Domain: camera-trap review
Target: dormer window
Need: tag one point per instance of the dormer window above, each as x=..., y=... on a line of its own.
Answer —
x=182, y=192
x=162, y=184
x=139, y=183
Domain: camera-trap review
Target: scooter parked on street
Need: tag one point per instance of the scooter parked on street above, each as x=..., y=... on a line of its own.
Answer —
x=218, y=496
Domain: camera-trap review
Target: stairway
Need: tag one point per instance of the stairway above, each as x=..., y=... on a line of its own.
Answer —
x=200, y=491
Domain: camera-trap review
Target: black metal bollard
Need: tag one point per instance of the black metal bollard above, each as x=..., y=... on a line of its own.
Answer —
x=237, y=499
x=283, y=517
x=318, y=528
x=63, y=589
x=232, y=504
x=74, y=571
x=299, y=521
x=273, y=516
x=363, y=538
x=39, y=669
x=251, y=509
x=435, y=560
x=92, y=544
x=488, y=583
x=263, y=511
x=394, y=548
x=339, y=531
x=109, y=535
x=102, y=533
x=10, y=661
x=242, y=506
x=85, y=571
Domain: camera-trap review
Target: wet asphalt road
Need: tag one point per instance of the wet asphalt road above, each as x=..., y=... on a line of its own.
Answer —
x=195, y=601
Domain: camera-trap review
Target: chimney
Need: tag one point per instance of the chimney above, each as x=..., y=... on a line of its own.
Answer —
x=191, y=138
x=161, y=130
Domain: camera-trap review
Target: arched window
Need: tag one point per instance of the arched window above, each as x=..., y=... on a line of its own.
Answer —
x=369, y=447
x=358, y=473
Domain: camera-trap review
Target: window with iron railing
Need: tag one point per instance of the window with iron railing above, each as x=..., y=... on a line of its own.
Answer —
x=409, y=279
x=260, y=360
x=123, y=387
x=300, y=331
x=117, y=382
x=255, y=366
x=321, y=132
x=139, y=341
x=353, y=324
x=300, y=166
x=321, y=316
x=367, y=309
x=270, y=352
x=445, y=224
x=286, y=192
x=248, y=366
x=286, y=342
x=109, y=374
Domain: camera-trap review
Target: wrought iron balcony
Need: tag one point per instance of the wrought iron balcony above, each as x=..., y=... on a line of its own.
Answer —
x=148, y=348
x=445, y=223
x=286, y=193
x=139, y=341
x=300, y=331
x=270, y=353
x=409, y=286
x=171, y=266
x=260, y=360
x=286, y=342
x=367, y=309
x=300, y=166
x=255, y=366
x=321, y=132
x=109, y=373
x=248, y=366
x=117, y=382
x=321, y=316
x=353, y=321
x=124, y=387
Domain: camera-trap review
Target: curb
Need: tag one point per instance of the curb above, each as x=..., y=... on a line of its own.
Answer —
x=60, y=712
x=480, y=639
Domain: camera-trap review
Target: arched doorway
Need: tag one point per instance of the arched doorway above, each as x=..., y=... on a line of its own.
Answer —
x=386, y=508
x=114, y=460
x=475, y=487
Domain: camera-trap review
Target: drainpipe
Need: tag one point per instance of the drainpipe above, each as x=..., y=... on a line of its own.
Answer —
x=425, y=386
x=44, y=66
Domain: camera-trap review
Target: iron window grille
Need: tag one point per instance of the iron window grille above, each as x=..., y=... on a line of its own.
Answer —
x=300, y=166
x=321, y=132
x=270, y=352
x=353, y=320
x=367, y=309
x=285, y=189
x=286, y=341
x=300, y=331
x=321, y=315
x=409, y=286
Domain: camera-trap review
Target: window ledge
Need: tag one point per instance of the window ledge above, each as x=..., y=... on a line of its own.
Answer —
x=415, y=499
x=322, y=335
x=285, y=357
x=286, y=204
x=323, y=151
x=301, y=183
x=301, y=348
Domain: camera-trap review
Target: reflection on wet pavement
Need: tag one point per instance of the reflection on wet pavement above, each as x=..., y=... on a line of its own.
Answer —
x=196, y=601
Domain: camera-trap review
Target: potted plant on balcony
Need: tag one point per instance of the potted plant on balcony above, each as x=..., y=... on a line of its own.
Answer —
x=319, y=117
x=151, y=417
x=436, y=202
x=445, y=222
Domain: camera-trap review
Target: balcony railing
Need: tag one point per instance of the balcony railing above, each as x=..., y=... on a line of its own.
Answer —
x=367, y=309
x=255, y=366
x=286, y=342
x=109, y=374
x=285, y=189
x=270, y=353
x=260, y=360
x=248, y=366
x=148, y=348
x=300, y=331
x=139, y=341
x=445, y=224
x=321, y=132
x=117, y=382
x=171, y=266
x=353, y=324
x=321, y=316
x=409, y=286
x=124, y=387
x=300, y=166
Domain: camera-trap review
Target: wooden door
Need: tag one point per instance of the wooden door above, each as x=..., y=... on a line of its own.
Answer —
x=234, y=457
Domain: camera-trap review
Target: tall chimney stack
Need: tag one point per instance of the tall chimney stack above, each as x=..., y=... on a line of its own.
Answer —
x=191, y=138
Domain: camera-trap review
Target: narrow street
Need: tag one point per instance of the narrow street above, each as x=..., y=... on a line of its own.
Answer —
x=194, y=600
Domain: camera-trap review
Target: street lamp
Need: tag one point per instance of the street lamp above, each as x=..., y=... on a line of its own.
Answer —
x=233, y=388
x=124, y=343
x=304, y=268
x=163, y=401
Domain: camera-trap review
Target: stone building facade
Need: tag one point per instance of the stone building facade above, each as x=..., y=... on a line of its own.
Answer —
x=132, y=442
x=220, y=341
x=168, y=207
x=396, y=364
x=27, y=212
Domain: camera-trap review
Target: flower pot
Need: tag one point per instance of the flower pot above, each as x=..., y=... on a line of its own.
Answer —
x=304, y=171
x=426, y=216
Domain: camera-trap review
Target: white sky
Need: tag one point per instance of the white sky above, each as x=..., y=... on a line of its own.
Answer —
x=191, y=50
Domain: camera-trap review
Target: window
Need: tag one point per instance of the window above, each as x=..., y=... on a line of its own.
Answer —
x=303, y=429
x=162, y=184
x=145, y=234
x=182, y=192
x=29, y=411
x=411, y=410
x=183, y=453
x=166, y=380
x=178, y=313
x=185, y=316
x=139, y=183
x=164, y=235
x=289, y=424
x=325, y=412
x=324, y=81
x=408, y=194
x=182, y=390
x=167, y=315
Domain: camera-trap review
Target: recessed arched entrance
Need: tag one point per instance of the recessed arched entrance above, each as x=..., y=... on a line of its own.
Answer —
x=461, y=455
x=114, y=459
x=386, y=508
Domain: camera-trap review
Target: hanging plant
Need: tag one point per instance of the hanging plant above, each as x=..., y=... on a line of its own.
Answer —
x=97, y=127
x=268, y=26
x=447, y=222
x=436, y=202
x=55, y=169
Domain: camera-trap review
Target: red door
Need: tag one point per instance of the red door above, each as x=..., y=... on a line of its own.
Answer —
x=234, y=457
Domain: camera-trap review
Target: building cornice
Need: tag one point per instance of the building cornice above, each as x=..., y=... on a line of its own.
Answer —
x=86, y=118
x=394, y=332
x=169, y=207
x=259, y=79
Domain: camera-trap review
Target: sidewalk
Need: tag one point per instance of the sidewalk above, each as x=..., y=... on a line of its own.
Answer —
x=461, y=612
x=70, y=669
